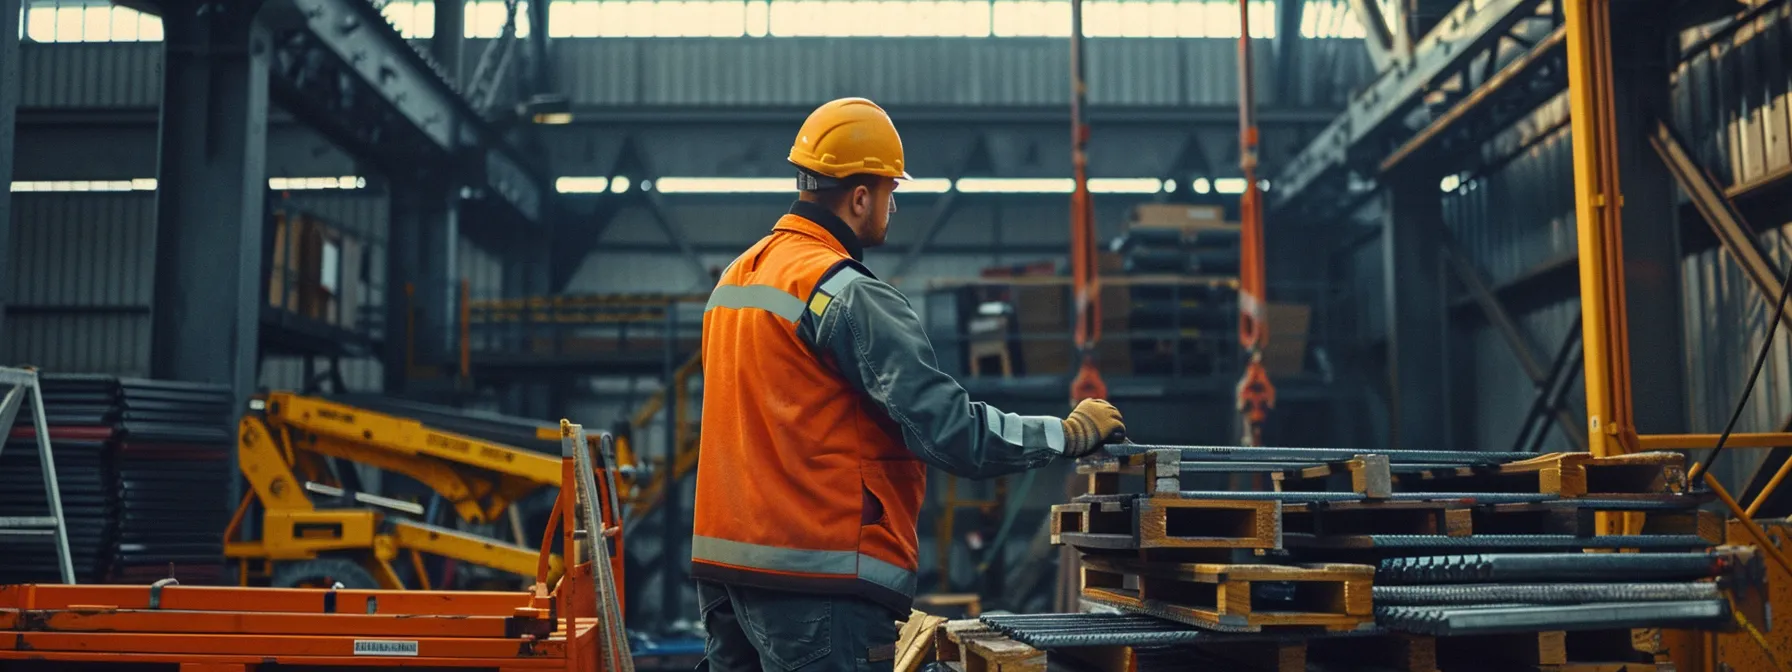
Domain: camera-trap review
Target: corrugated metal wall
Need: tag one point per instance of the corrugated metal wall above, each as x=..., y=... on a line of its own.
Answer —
x=82, y=269
x=483, y=271
x=1733, y=108
x=936, y=71
x=90, y=75
x=697, y=71
x=1032, y=221
x=1510, y=221
x=1731, y=100
x=1726, y=322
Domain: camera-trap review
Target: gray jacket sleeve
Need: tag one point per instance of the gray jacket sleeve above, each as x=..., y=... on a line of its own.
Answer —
x=874, y=339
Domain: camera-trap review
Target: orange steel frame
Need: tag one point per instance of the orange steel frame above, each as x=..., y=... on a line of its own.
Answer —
x=1605, y=331
x=219, y=629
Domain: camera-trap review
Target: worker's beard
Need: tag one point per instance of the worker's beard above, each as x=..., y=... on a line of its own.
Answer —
x=875, y=231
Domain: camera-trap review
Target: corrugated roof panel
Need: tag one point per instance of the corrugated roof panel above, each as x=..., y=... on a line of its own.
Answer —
x=87, y=75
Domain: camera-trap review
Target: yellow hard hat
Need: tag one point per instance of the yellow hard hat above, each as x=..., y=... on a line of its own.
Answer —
x=848, y=136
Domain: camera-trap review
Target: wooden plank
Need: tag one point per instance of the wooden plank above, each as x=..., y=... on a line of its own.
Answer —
x=1073, y=518
x=1368, y=475
x=1221, y=596
x=915, y=642
x=947, y=635
x=1208, y=523
x=1000, y=654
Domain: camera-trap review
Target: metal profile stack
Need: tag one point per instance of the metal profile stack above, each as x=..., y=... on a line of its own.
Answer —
x=144, y=469
x=1225, y=546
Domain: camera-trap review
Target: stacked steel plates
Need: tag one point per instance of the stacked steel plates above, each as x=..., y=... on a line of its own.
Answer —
x=173, y=472
x=144, y=470
x=87, y=507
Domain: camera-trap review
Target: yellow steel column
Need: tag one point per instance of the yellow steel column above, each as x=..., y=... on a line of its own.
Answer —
x=1598, y=204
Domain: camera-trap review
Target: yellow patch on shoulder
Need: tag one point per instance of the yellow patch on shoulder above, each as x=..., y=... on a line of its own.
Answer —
x=818, y=304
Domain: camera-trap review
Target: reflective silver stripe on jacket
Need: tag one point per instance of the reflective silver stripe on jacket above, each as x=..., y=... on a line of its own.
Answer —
x=842, y=563
x=843, y=277
x=764, y=297
x=1013, y=428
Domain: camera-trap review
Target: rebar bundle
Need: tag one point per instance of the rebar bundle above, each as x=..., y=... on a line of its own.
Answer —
x=1543, y=593
x=1050, y=630
x=1548, y=567
x=1232, y=453
x=1538, y=541
x=1498, y=619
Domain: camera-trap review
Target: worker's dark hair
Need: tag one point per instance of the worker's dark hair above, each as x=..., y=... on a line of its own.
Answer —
x=833, y=197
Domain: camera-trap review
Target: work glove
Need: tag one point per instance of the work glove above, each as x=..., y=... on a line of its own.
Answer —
x=1093, y=423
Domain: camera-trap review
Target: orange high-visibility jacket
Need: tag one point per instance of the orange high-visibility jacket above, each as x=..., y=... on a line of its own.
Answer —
x=822, y=405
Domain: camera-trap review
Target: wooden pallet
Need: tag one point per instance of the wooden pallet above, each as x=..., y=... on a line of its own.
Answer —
x=1112, y=523
x=972, y=646
x=1123, y=522
x=1372, y=475
x=1228, y=597
x=1303, y=523
x=980, y=648
x=1564, y=474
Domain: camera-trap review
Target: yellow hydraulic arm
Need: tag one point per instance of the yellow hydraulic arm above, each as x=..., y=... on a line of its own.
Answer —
x=460, y=468
x=293, y=433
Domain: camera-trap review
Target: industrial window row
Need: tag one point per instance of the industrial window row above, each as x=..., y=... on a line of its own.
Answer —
x=100, y=21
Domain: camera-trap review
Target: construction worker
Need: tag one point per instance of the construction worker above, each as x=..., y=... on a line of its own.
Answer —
x=823, y=404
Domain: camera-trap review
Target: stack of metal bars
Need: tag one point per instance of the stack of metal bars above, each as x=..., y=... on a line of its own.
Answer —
x=1535, y=578
x=144, y=468
x=83, y=469
x=1504, y=593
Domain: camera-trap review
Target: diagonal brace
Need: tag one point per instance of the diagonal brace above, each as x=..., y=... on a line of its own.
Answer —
x=1508, y=329
x=1732, y=231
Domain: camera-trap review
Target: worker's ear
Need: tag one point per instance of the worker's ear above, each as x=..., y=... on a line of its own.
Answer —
x=862, y=201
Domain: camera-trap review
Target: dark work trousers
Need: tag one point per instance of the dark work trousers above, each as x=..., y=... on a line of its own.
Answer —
x=775, y=631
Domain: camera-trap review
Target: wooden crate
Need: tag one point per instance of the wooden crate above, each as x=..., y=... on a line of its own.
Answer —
x=1224, y=597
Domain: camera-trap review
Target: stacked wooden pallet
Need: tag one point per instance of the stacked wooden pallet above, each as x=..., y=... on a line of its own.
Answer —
x=1285, y=540
x=1020, y=643
x=1320, y=509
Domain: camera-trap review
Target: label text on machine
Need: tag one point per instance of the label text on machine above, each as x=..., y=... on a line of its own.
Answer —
x=385, y=647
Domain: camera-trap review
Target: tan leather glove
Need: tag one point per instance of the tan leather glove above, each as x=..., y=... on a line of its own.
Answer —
x=1093, y=423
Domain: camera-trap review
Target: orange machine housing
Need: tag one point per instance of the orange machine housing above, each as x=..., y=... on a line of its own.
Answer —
x=234, y=629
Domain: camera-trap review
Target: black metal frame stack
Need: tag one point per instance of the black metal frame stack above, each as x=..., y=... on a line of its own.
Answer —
x=144, y=467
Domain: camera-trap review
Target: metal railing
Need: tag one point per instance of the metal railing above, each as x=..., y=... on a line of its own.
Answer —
x=1177, y=327
x=584, y=325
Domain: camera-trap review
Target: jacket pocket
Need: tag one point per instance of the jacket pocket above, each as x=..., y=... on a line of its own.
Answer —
x=896, y=487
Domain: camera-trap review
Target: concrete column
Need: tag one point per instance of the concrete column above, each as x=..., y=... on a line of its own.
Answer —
x=438, y=280
x=211, y=178
x=405, y=221
x=1417, y=317
x=9, y=101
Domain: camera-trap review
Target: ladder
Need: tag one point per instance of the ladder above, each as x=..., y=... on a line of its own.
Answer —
x=19, y=383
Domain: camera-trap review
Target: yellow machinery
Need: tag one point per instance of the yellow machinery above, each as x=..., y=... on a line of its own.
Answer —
x=283, y=444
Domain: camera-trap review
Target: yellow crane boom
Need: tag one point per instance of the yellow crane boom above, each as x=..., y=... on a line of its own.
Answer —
x=292, y=434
